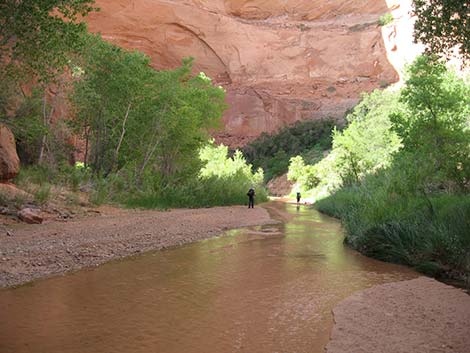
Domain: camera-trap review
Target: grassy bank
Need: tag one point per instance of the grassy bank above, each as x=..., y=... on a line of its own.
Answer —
x=430, y=234
x=398, y=175
x=220, y=181
x=210, y=192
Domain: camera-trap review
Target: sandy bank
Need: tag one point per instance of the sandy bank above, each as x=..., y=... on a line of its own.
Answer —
x=416, y=316
x=36, y=251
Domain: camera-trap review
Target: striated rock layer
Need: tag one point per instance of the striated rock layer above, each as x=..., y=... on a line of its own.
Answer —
x=279, y=60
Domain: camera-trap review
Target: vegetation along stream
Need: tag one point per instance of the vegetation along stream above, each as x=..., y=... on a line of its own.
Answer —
x=258, y=289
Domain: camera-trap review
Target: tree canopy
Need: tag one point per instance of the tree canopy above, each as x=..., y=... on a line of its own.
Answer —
x=36, y=36
x=419, y=136
x=137, y=118
x=435, y=127
x=442, y=25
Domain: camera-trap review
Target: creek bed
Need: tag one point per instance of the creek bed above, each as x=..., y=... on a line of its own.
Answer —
x=259, y=289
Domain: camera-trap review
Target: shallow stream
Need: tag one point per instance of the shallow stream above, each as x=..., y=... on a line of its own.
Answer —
x=258, y=289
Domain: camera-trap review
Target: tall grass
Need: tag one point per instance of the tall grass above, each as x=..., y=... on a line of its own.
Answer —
x=43, y=193
x=66, y=175
x=198, y=193
x=386, y=226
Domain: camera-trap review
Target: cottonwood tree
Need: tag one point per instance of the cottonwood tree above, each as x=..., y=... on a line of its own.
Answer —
x=435, y=127
x=442, y=25
x=36, y=40
x=145, y=122
x=35, y=36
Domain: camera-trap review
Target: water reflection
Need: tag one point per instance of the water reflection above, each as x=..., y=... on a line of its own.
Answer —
x=260, y=289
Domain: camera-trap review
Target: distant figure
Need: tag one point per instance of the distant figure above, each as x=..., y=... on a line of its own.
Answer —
x=251, y=198
x=298, y=197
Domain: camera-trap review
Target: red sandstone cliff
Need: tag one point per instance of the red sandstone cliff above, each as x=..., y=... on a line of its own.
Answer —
x=279, y=60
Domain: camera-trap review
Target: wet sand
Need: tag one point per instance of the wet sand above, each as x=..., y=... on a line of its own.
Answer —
x=416, y=316
x=37, y=251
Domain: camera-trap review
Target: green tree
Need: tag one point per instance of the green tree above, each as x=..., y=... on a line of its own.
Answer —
x=221, y=180
x=303, y=174
x=368, y=143
x=272, y=152
x=111, y=88
x=415, y=210
x=435, y=128
x=145, y=121
x=216, y=163
x=35, y=36
x=192, y=105
x=443, y=24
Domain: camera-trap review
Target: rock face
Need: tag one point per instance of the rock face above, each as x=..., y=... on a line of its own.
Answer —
x=279, y=60
x=9, y=161
x=280, y=186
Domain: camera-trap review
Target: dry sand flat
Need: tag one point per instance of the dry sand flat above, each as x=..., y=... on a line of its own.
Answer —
x=415, y=316
x=36, y=251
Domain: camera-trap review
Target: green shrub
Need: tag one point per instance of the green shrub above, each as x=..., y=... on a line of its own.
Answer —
x=72, y=199
x=273, y=152
x=37, y=179
x=221, y=181
x=100, y=192
x=386, y=19
x=72, y=176
x=34, y=175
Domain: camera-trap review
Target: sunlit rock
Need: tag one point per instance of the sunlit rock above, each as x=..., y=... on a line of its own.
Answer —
x=279, y=61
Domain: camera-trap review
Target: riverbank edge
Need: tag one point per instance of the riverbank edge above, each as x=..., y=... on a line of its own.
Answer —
x=417, y=315
x=452, y=278
x=42, y=251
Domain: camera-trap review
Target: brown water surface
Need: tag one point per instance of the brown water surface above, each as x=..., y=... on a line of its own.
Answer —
x=261, y=289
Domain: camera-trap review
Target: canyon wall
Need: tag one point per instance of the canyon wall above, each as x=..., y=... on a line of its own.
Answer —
x=280, y=61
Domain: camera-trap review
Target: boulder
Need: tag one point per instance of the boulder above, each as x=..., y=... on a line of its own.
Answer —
x=9, y=161
x=10, y=191
x=30, y=215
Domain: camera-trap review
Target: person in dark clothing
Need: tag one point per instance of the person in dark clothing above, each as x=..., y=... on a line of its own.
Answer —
x=298, y=197
x=251, y=198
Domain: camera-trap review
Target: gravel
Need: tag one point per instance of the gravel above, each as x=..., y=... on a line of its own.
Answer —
x=29, y=252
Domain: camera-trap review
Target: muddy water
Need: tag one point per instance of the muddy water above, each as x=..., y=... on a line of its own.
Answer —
x=262, y=289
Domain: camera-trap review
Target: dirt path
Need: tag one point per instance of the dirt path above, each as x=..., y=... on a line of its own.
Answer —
x=416, y=316
x=35, y=251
